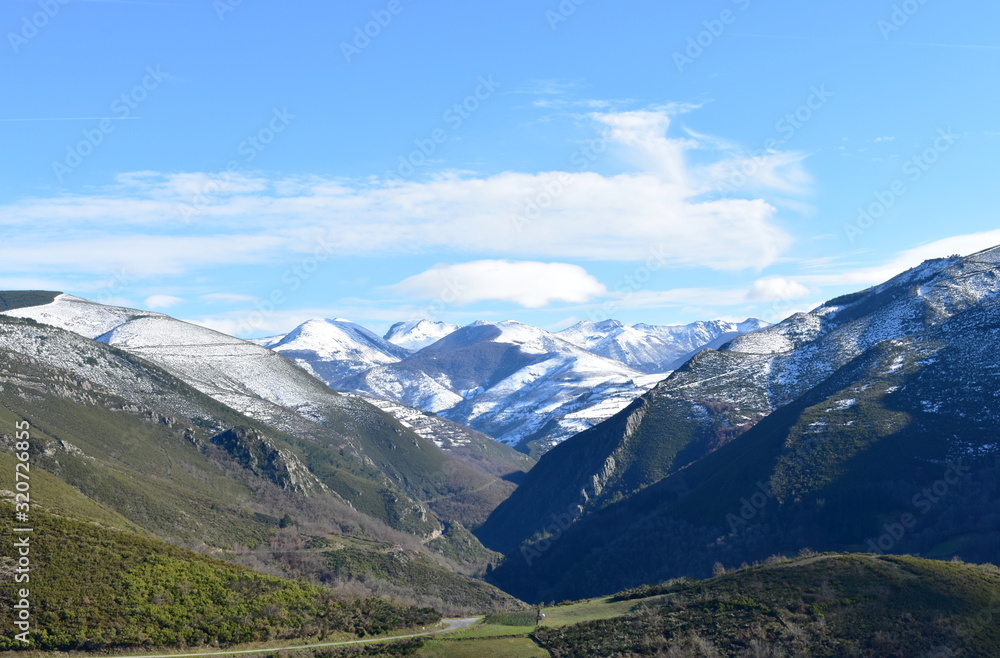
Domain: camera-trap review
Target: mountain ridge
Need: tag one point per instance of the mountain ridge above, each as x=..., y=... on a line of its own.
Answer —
x=866, y=397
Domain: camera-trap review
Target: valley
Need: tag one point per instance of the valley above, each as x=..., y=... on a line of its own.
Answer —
x=825, y=484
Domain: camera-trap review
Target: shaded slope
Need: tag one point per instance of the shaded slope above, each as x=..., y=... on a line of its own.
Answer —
x=898, y=435
x=828, y=470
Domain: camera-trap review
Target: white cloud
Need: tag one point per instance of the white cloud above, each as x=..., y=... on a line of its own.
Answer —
x=139, y=255
x=776, y=288
x=228, y=298
x=963, y=245
x=529, y=284
x=157, y=302
x=153, y=224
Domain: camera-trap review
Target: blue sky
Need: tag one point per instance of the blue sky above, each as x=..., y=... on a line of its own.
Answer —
x=249, y=165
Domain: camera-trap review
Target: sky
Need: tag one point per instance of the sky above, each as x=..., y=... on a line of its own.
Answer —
x=248, y=165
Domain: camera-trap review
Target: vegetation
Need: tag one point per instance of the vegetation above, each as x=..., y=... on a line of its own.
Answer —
x=349, y=561
x=93, y=588
x=841, y=468
x=510, y=647
x=12, y=299
x=828, y=605
x=461, y=547
x=149, y=465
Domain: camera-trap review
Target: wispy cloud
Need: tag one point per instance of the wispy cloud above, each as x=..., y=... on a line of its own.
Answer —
x=154, y=224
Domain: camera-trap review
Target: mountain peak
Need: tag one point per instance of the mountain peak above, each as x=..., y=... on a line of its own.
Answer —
x=417, y=334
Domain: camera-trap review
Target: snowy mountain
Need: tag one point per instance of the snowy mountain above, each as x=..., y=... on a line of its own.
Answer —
x=512, y=381
x=384, y=459
x=835, y=419
x=517, y=383
x=653, y=348
x=120, y=437
x=333, y=350
x=417, y=334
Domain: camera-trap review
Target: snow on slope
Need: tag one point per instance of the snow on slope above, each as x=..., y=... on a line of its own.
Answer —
x=247, y=377
x=334, y=349
x=417, y=334
x=80, y=316
x=654, y=348
x=791, y=357
x=512, y=381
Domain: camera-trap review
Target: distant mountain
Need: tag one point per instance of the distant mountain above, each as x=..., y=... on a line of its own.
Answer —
x=334, y=349
x=514, y=382
x=653, y=348
x=822, y=431
x=417, y=334
x=523, y=386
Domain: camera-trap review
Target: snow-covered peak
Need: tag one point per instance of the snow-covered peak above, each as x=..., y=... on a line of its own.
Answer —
x=531, y=340
x=330, y=339
x=589, y=334
x=418, y=334
x=654, y=348
x=334, y=349
x=752, y=324
x=80, y=316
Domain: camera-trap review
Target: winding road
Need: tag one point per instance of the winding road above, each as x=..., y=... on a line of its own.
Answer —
x=449, y=625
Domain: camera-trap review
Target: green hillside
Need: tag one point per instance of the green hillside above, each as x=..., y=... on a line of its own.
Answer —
x=171, y=462
x=827, y=605
x=94, y=588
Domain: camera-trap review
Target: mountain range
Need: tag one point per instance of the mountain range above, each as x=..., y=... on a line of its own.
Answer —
x=519, y=384
x=210, y=441
x=868, y=424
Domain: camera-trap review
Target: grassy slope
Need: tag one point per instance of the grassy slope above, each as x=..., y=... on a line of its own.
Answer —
x=93, y=588
x=139, y=468
x=831, y=605
x=825, y=605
